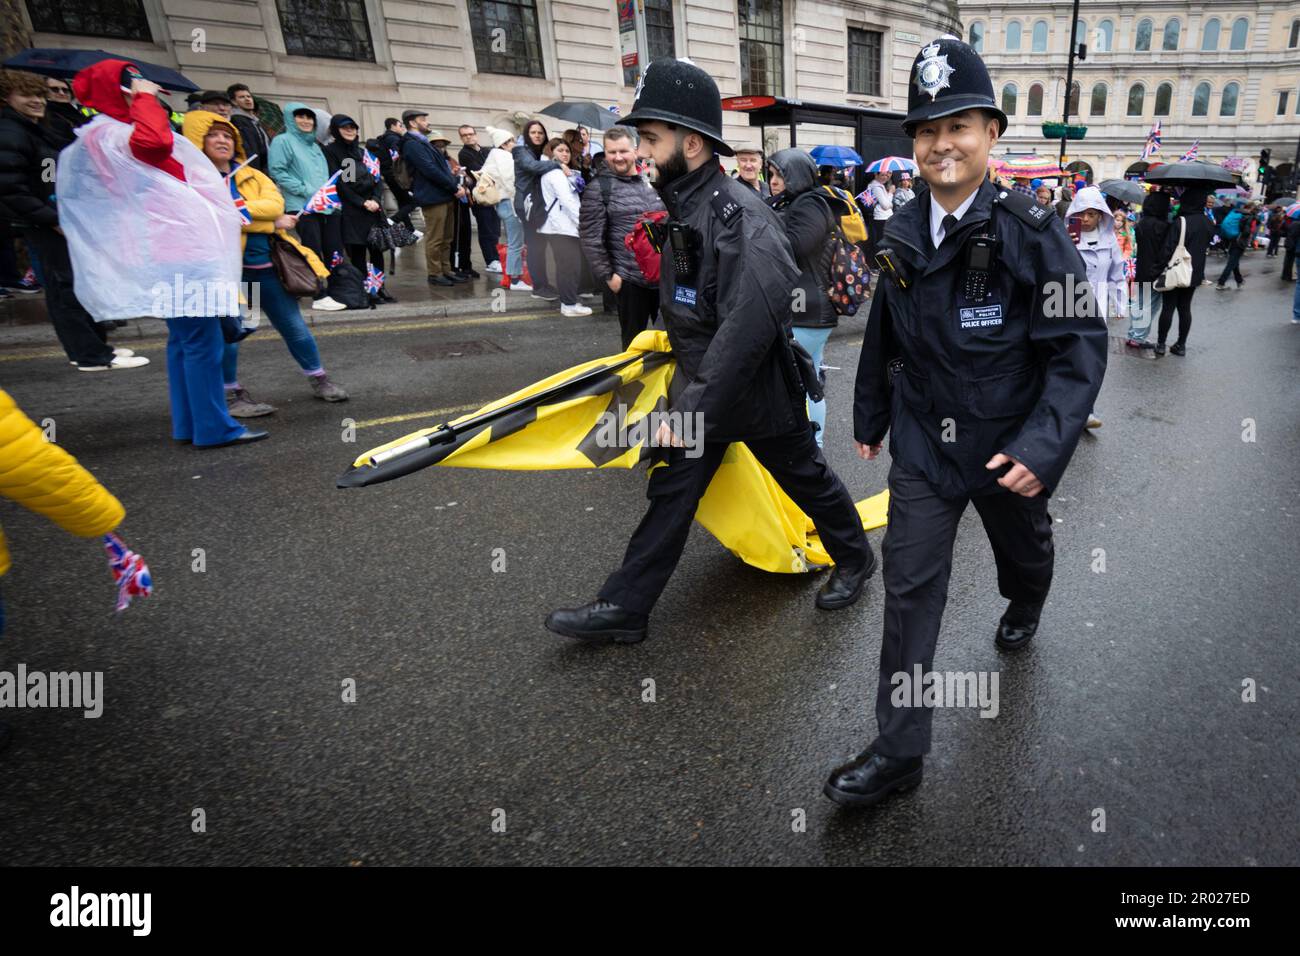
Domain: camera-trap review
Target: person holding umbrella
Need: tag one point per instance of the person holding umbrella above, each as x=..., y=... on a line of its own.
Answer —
x=1196, y=231
x=881, y=191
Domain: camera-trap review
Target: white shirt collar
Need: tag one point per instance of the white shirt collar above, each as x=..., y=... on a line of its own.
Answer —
x=937, y=214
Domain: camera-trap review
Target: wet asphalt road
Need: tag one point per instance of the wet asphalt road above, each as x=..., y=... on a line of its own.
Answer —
x=223, y=691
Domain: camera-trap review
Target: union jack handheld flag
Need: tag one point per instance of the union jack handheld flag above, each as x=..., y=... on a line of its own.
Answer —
x=374, y=279
x=372, y=164
x=325, y=198
x=130, y=573
x=1153, y=142
x=1190, y=155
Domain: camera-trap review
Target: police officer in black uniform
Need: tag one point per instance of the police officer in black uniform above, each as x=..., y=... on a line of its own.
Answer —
x=725, y=294
x=982, y=357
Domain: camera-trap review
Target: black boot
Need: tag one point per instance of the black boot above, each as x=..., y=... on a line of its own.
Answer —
x=1018, y=625
x=845, y=585
x=598, y=621
x=869, y=778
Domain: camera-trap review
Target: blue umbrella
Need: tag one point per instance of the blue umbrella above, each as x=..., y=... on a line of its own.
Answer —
x=837, y=156
x=68, y=63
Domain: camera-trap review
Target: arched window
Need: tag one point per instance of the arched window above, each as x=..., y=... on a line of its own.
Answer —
x=1228, y=105
x=1098, y=107
x=1238, y=39
x=1036, y=100
x=1104, y=37
x=1137, y=94
x=1009, y=99
x=1164, y=97
x=1013, y=36
x=977, y=36
x=1143, y=39
x=1039, y=42
x=1172, y=31
x=1201, y=100
x=1080, y=32
x=1072, y=106
x=1210, y=35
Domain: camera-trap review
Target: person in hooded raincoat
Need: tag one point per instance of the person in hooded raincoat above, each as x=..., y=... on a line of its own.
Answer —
x=1149, y=239
x=805, y=211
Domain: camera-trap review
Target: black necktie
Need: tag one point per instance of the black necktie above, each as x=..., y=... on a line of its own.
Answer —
x=949, y=223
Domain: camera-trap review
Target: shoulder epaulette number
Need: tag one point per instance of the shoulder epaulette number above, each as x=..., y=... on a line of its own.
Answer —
x=1023, y=208
x=724, y=207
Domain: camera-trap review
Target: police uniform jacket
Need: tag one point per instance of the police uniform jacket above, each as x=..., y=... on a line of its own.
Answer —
x=723, y=322
x=1015, y=373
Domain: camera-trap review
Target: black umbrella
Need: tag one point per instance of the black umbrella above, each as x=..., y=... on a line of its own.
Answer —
x=1196, y=174
x=68, y=63
x=1283, y=201
x=590, y=115
x=1123, y=190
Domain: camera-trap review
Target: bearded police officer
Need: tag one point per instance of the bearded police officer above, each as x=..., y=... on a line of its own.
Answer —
x=725, y=295
x=983, y=354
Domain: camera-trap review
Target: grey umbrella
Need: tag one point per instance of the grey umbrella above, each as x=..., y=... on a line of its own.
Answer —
x=1123, y=190
x=590, y=115
x=1203, y=175
x=1283, y=201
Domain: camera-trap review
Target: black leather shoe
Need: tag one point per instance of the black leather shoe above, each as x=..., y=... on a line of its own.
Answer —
x=868, y=778
x=598, y=621
x=845, y=585
x=1160, y=348
x=455, y=279
x=1018, y=625
x=247, y=438
x=1177, y=349
x=440, y=280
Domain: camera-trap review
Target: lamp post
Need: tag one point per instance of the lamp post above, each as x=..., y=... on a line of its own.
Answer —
x=1069, y=79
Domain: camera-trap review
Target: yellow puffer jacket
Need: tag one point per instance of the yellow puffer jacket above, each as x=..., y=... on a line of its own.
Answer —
x=262, y=197
x=46, y=479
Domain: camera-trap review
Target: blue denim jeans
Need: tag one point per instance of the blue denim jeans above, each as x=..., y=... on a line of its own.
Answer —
x=194, y=382
x=514, y=263
x=1144, y=308
x=282, y=310
x=814, y=340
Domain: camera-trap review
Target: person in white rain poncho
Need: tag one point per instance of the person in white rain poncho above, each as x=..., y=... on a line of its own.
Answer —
x=1102, y=257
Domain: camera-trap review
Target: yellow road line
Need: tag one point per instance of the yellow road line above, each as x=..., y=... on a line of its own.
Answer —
x=411, y=416
x=327, y=331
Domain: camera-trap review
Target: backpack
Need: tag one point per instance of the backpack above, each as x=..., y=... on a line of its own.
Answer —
x=347, y=285
x=645, y=242
x=848, y=282
x=535, y=208
x=488, y=191
x=402, y=173
x=852, y=225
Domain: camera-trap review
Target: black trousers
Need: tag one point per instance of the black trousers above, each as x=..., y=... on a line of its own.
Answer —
x=1180, y=299
x=918, y=562
x=637, y=308
x=489, y=231
x=1233, y=266
x=323, y=235
x=793, y=459
x=535, y=243
x=460, y=241
x=567, y=251
x=359, y=253
x=84, y=339
x=1288, y=262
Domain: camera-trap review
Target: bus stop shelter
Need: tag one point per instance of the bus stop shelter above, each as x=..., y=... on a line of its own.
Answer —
x=876, y=133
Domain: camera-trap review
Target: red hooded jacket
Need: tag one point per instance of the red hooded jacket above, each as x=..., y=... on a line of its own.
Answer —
x=100, y=87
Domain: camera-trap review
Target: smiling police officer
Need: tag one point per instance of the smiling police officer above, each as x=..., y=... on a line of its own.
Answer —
x=982, y=357
x=726, y=292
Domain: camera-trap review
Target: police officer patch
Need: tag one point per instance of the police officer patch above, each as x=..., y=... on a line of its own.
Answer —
x=933, y=71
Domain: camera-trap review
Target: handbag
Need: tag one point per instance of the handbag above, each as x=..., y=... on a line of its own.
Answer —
x=394, y=235
x=1178, y=273
x=487, y=192
x=292, y=268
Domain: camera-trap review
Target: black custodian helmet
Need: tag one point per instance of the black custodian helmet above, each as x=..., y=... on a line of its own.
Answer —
x=679, y=92
x=949, y=77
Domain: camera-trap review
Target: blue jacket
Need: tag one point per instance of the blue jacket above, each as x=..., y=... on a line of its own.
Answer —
x=432, y=183
x=297, y=164
x=1232, y=224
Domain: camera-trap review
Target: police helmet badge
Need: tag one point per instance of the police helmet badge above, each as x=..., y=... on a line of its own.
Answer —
x=640, y=84
x=933, y=71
